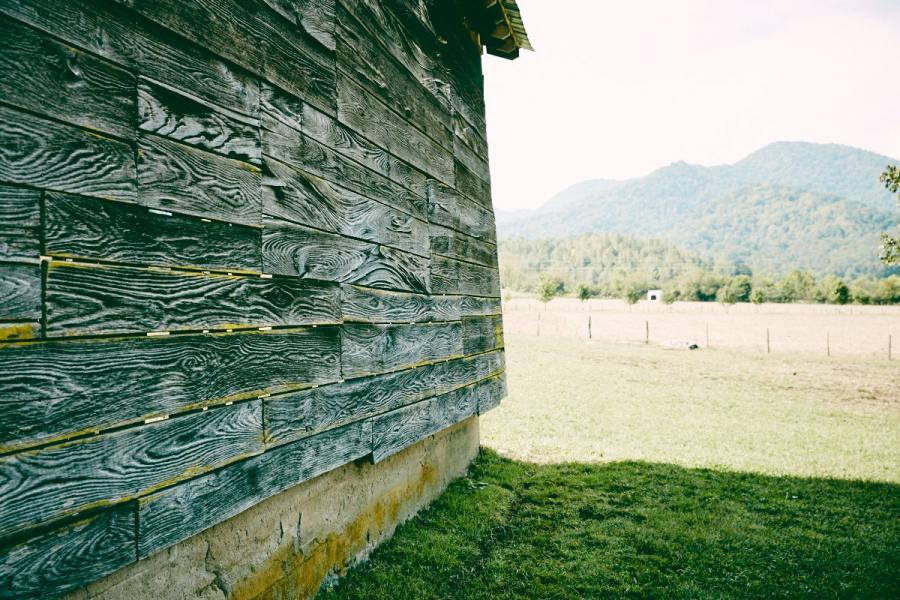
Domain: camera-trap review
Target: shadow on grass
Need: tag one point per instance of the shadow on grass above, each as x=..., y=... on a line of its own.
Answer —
x=631, y=529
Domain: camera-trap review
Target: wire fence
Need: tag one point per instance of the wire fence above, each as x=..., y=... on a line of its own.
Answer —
x=872, y=331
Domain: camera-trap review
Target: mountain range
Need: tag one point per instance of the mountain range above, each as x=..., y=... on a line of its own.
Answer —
x=815, y=207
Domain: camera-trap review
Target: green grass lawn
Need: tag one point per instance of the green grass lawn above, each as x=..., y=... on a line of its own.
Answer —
x=701, y=474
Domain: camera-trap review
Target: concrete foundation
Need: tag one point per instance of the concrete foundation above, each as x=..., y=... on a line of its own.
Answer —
x=289, y=545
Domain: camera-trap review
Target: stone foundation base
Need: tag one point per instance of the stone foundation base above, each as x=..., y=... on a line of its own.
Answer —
x=288, y=545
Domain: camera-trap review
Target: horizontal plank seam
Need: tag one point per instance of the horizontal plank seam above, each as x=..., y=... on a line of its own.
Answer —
x=90, y=130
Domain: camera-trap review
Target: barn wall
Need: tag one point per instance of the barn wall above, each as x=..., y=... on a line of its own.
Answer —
x=242, y=244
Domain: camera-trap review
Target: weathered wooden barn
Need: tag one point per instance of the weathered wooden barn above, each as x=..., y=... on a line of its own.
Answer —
x=249, y=297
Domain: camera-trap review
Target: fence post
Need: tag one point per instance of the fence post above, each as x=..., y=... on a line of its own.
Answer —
x=589, y=327
x=539, y=325
x=889, y=346
x=707, y=335
x=827, y=344
x=646, y=332
x=768, y=346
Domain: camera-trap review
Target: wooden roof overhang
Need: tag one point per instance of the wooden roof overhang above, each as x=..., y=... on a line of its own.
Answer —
x=499, y=26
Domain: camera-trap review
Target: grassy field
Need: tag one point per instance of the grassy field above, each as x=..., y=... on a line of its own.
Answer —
x=704, y=474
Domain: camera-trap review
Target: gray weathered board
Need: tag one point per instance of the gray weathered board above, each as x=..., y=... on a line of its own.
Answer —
x=232, y=258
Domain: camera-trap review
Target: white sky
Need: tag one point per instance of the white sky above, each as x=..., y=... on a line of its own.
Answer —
x=618, y=88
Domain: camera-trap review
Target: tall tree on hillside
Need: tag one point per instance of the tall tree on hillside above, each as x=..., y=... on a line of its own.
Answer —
x=890, y=246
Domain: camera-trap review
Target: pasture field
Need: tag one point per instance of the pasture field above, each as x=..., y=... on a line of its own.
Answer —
x=781, y=414
x=619, y=470
x=849, y=330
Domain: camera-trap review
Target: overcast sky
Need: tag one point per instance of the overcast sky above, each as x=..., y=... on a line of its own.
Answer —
x=619, y=88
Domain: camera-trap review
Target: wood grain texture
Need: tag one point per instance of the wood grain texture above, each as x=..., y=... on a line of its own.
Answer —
x=367, y=305
x=20, y=292
x=57, y=389
x=417, y=54
x=81, y=227
x=353, y=145
x=105, y=300
x=449, y=209
x=180, y=178
x=20, y=222
x=53, y=482
x=476, y=163
x=450, y=276
x=42, y=153
x=362, y=111
x=471, y=306
x=370, y=349
x=454, y=374
x=482, y=334
x=283, y=143
x=491, y=392
x=315, y=17
x=301, y=414
x=63, y=559
x=42, y=75
x=453, y=244
x=180, y=117
x=290, y=249
x=472, y=186
x=401, y=428
x=139, y=45
x=362, y=59
x=306, y=199
x=177, y=513
x=254, y=37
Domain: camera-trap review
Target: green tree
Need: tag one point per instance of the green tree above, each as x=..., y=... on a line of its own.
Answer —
x=833, y=290
x=725, y=295
x=548, y=288
x=890, y=246
x=796, y=286
x=583, y=292
x=633, y=294
x=757, y=296
x=740, y=288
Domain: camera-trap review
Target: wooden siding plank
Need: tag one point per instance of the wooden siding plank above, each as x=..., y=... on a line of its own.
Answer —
x=454, y=244
x=57, y=389
x=139, y=45
x=46, y=484
x=20, y=292
x=20, y=223
x=401, y=428
x=454, y=374
x=103, y=300
x=477, y=164
x=308, y=412
x=482, y=334
x=369, y=349
x=364, y=112
x=177, y=513
x=315, y=17
x=283, y=143
x=472, y=186
x=46, y=154
x=61, y=560
x=450, y=276
x=471, y=306
x=80, y=227
x=253, y=37
x=491, y=392
x=358, y=147
x=42, y=75
x=306, y=199
x=290, y=249
x=380, y=74
x=367, y=305
x=176, y=177
x=418, y=55
x=446, y=207
x=180, y=117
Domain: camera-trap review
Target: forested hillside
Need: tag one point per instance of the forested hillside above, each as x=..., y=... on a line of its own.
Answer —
x=790, y=205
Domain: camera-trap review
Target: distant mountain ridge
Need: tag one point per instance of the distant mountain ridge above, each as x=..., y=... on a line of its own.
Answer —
x=817, y=207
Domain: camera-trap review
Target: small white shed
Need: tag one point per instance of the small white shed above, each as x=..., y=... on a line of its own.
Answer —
x=654, y=295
